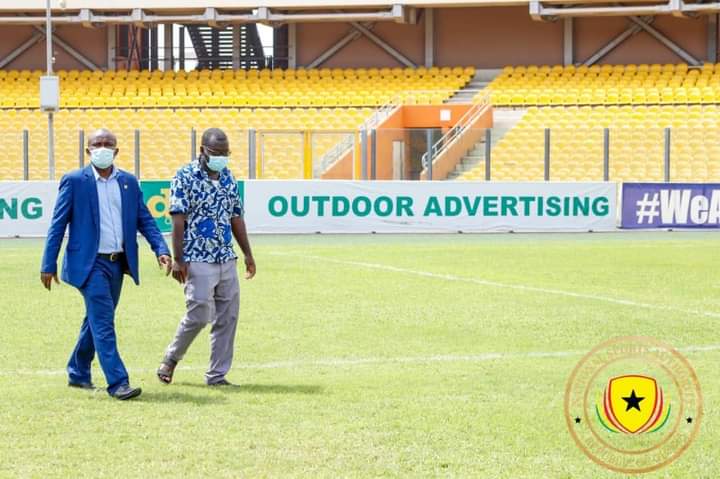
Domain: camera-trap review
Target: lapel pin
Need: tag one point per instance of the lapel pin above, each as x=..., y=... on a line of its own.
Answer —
x=126, y=187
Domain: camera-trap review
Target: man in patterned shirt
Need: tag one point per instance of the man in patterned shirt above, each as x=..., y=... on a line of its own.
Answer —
x=207, y=212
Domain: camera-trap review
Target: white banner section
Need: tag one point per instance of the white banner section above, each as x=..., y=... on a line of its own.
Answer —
x=26, y=207
x=307, y=206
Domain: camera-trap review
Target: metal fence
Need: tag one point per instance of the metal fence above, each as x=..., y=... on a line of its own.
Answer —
x=540, y=154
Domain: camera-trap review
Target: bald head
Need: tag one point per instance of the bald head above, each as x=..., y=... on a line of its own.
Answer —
x=215, y=142
x=102, y=138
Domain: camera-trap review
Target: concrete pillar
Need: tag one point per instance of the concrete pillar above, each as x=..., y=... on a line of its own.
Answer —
x=568, y=42
x=712, y=37
x=111, y=47
x=292, y=45
x=429, y=37
x=168, y=61
x=236, y=46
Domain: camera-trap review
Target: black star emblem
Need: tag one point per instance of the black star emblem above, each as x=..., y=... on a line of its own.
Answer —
x=633, y=401
x=689, y=420
x=577, y=420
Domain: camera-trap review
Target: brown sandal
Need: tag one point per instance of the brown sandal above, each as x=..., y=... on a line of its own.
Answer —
x=165, y=372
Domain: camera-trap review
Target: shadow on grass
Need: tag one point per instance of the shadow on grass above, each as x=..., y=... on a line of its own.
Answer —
x=170, y=396
x=261, y=388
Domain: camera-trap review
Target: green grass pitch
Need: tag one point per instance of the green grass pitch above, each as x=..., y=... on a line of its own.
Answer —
x=361, y=356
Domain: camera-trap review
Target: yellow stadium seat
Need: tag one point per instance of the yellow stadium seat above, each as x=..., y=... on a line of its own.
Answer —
x=636, y=143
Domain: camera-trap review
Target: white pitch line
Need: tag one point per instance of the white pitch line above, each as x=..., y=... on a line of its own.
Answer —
x=339, y=362
x=496, y=284
x=350, y=362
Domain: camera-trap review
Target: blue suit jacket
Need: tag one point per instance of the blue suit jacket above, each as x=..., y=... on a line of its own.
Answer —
x=77, y=206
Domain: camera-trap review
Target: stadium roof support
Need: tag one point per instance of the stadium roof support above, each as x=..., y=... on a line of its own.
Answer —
x=38, y=35
x=677, y=8
x=665, y=40
x=612, y=44
x=384, y=45
x=22, y=48
x=357, y=30
x=351, y=35
x=365, y=28
x=210, y=16
x=639, y=24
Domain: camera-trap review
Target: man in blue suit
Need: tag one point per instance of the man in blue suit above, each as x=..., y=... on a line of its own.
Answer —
x=104, y=209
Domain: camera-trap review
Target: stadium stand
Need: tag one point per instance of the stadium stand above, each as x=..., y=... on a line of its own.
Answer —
x=606, y=85
x=636, y=102
x=337, y=87
x=165, y=136
x=636, y=144
x=165, y=106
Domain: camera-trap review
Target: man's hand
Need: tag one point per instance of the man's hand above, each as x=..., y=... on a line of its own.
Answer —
x=164, y=261
x=249, y=267
x=47, y=279
x=179, y=271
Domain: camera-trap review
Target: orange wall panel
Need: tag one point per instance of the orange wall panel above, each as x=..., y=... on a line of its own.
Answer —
x=495, y=36
x=428, y=116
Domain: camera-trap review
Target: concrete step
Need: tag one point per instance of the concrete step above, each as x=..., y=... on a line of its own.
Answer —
x=503, y=121
x=481, y=79
x=476, y=85
x=469, y=162
x=457, y=173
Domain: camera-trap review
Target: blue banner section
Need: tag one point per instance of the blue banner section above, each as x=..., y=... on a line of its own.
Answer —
x=670, y=205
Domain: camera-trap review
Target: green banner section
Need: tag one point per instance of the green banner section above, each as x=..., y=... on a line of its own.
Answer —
x=157, y=199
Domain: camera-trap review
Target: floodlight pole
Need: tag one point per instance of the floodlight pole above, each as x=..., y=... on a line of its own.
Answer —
x=48, y=60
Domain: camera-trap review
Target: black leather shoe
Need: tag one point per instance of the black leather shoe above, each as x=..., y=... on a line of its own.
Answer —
x=81, y=385
x=222, y=382
x=126, y=392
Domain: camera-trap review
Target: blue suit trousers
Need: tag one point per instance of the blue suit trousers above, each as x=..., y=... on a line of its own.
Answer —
x=101, y=293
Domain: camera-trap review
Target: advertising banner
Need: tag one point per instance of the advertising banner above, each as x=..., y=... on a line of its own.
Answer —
x=363, y=206
x=26, y=207
x=670, y=205
x=423, y=207
x=157, y=198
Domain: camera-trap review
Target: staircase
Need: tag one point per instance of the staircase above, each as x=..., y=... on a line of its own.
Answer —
x=214, y=47
x=503, y=121
x=346, y=145
x=481, y=79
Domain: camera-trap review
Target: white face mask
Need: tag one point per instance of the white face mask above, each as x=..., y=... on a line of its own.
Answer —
x=217, y=163
x=102, y=157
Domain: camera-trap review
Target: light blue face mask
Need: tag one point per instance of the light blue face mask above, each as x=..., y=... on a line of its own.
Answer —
x=102, y=157
x=217, y=163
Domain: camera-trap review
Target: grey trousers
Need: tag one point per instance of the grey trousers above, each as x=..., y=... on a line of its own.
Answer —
x=212, y=295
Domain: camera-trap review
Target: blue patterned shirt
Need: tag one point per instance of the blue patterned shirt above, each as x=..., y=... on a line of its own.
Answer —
x=208, y=207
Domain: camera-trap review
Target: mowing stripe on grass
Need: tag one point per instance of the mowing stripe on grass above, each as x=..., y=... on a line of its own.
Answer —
x=496, y=284
x=350, y=362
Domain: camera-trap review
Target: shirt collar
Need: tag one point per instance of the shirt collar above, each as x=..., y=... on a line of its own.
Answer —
x=199, y=171
x=112, y=176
